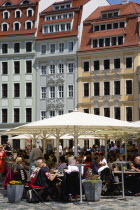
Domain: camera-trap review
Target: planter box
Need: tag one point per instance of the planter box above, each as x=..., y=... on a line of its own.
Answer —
x=93, y=189
x=15, y=193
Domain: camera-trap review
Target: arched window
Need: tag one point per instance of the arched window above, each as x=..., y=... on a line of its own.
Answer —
x=18, y=13
x=16, y=26
x=29, y=12
x=8, y=3
x=5, y=26
x=25, y=2
x=28, y=25
x=6, y=14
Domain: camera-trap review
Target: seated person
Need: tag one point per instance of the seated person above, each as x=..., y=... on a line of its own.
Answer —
x=71, y=165
x=62, y=164
x=95, y=165
x=136, y=164
x=39, y=164
x=19, y=170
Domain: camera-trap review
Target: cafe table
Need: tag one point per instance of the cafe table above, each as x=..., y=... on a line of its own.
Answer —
x=123, y=171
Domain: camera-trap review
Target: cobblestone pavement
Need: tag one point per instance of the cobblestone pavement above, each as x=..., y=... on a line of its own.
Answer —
x=105, y=203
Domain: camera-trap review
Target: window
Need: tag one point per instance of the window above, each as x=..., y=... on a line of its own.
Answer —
x=52, y=91
x=52, y=69
x=4, y=48
x=17, y=14
x=107, y=112
x=4, y=115
x=96, y=65
x=107, y=42
x=43, y=70
x=106, y=64
x=28, y=67
x=101, y=43
x=4, y=90
x=102, y=27
x=43, y=115
x=70, y=46
x=70, y=91
x=28, y=25
x=28, y=46
x=16, y=90
x=28, y=89
x=52, y=48
x=45, y=29
x=5, y=26
x=57, y=28
x=60, y=91
x=86, y=66
x=117, y=63
x=106, y=88
x=6, y=15
x=70, y=67
x=115, y=25
x=61, y=68
x=122, y=24
x=96, y=28
x=43, y=92
x=52, y=113
x=68, y=27
x=43, y=49
x=16, y=47
x=86, y=89
x=117, y=87
x=60, y=112
x=28, y=115
x=4, y=67
x=25, y=2
x=96, y=88
x=120, y=40
x=16, y=67
x=8, y=3
x=16, y=26
x=29, y=13
x=128, y=87
x=109, y=26
x=16, y=115
x=128, y=62
x=96, y=111
x=114, y=41
x=95, y=43
x=62, y=27
x=117, y=113
x=51, y=28
x=86, y=111
x=61, y=47
x=129, y=116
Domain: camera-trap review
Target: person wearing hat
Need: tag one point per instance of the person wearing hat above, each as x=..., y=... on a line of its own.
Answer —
x=2, y=159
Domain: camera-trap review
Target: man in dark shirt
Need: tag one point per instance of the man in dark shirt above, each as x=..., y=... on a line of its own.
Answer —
x=8, y=149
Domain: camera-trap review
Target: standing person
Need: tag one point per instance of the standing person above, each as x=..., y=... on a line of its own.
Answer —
x=2, y=160
x=60, y=149
x=35, y=154
x=49, y=148
x=8, y=149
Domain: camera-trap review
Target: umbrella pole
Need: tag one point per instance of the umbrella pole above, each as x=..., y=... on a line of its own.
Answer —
x=125, y=150
x=57, y=144
x=106, y=138
x=75, y=142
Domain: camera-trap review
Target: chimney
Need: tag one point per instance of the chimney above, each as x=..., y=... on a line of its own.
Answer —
x=125, y=1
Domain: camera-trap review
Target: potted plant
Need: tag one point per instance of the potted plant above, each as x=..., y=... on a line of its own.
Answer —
x=92, y=187
x=15, y=191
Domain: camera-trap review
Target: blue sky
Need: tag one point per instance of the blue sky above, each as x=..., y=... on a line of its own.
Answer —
x=119, y=1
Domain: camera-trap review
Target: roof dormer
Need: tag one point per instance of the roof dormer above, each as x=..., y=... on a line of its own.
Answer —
x=24, y=2
x=7, y=3
x=110, y=13
x=62, y=6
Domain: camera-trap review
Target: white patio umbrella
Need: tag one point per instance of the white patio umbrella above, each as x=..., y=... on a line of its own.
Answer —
x=76, y=124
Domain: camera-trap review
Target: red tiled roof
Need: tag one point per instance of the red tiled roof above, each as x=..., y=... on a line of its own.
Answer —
x=108, y=21
x=62, y=2
x=107, y=33
x=130, y=8
x=16, y=2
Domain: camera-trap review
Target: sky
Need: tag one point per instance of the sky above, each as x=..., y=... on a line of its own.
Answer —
x=119, y=1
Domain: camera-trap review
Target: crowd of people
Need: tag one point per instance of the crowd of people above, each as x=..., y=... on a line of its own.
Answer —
x=44, y=170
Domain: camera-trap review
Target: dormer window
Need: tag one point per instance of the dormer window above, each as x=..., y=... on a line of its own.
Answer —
x=26, y=2
x=29, y=12
x=8, y=3
x=16, y=26
x=6, y=14
x=5, y=26
x=62, y=6
x=18, y=13
x=28, y=25
x=110, y=14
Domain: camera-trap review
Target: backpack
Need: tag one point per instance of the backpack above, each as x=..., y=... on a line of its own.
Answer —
x=32, y=196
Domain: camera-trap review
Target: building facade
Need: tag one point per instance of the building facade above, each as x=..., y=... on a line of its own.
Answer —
x=108, y=62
